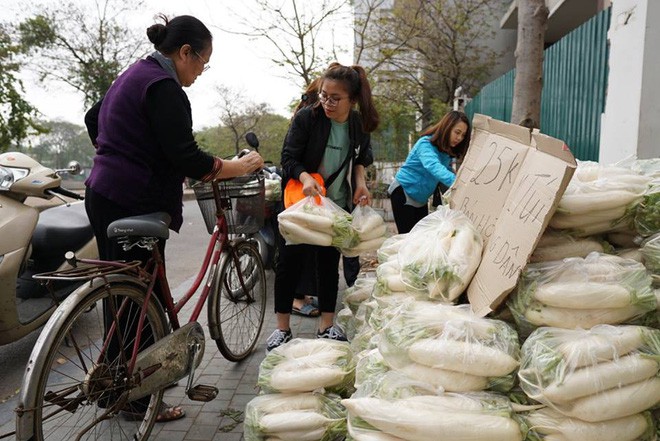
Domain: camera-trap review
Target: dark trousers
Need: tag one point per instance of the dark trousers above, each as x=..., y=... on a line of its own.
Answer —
x=405, y=216
x=102, y=212
x=291, y=268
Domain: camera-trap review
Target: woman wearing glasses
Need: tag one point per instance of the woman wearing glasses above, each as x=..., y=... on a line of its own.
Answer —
x=328, y=137
x=142, y=131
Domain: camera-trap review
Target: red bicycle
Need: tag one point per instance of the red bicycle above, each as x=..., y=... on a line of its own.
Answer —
x=113, y=344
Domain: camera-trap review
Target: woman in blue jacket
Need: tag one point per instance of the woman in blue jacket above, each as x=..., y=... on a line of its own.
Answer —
x=429, y=163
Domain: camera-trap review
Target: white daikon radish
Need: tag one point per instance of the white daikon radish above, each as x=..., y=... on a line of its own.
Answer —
x=295, y=234
x=471, y=358
x=579, y=318
x=306, y=380
x=580, y=203
x=576, y=295
x=615, y=403
x=600, y=377
x=549, y=422
x=292, y=421
x=308, y=220
x=450, y=381
x=420, y=424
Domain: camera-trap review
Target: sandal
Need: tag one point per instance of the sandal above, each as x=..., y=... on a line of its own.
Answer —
x=307, y=310
x=312, y=300
x=167, y=413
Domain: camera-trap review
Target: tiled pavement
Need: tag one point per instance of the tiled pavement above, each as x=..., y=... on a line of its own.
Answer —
x=220, y=419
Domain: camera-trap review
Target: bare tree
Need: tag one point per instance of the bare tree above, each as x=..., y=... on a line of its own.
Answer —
x=528, y=83
x=433, y=46
x=238, y=114
x=293, y=28
x=82, y=47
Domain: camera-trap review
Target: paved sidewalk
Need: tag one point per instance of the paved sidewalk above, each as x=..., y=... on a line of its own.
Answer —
x=220, y=419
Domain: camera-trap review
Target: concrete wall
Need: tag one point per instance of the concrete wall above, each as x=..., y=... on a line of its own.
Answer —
x=631, y=121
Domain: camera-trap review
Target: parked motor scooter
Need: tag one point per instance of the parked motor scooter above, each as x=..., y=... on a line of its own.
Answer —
x=32, y=242
x=265, y=237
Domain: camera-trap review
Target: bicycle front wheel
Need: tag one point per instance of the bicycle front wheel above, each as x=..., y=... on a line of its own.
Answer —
x=237, y=303
x=82, y=385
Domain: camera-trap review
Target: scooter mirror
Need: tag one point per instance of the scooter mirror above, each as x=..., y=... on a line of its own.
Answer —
x=73, y=167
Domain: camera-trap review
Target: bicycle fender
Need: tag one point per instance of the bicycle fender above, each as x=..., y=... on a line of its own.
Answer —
x=28, y=396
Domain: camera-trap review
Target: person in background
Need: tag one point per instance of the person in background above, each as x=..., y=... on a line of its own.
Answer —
x=428, y=164
x=142, y=131
x=321, y=138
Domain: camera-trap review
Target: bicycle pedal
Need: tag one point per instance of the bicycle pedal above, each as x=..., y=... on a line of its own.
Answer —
x=202, y=392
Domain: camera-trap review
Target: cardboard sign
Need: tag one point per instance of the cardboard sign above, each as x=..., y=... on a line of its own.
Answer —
x=509, y=186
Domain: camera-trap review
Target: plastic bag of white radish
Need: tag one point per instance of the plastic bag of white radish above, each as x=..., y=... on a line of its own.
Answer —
x=583, y=292
x=389, y=407
x=441, y=254
x=309, y=416
x=371, y=230
x=317, y=221
x=601, y=374
x=451, y=348
x=308, y=365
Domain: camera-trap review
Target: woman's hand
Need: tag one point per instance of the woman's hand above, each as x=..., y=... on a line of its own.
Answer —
x=361, y=195
x=310, y=186
x=251, y=162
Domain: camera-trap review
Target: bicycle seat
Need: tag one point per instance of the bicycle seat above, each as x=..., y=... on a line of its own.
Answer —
x=146, y=225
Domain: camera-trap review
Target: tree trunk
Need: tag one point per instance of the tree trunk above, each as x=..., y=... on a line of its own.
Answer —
x=528, y=83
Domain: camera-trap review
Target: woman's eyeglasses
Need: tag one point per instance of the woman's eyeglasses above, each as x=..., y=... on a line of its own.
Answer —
x=206, y=62
x=329, y=101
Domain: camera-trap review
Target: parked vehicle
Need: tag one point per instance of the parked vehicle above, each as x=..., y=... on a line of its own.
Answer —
x=34, y=241
x=265, y=237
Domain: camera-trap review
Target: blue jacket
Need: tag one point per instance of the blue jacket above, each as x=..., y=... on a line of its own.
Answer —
x=424, y=168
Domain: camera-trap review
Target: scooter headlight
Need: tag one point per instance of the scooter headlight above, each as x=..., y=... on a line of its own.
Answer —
x=6, y=178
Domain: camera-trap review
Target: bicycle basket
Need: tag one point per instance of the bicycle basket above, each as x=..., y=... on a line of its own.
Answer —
x=246, y=203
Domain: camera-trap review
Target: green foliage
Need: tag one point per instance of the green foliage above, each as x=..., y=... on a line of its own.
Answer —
x=85, y=48
x=16, y=113
x=63, y=142
x=271, y=130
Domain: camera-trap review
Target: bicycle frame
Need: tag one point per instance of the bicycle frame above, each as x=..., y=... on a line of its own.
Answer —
x=154, y=271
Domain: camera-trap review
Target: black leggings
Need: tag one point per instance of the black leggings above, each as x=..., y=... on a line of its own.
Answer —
x=290, y=269
x=405, y=216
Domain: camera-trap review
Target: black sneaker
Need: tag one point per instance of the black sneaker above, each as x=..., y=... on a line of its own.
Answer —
x=278, y=338
x=333, y=333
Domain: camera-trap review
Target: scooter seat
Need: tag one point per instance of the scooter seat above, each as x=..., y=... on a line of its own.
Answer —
x=61, y=229
x=146, y=225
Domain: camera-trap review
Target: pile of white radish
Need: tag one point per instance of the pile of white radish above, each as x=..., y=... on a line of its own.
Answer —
x=308, y=365
x=294, y=417
x=599, y=198
x=370, y=228
x=448, y=347
x=557, y=245
x=360, y=292
x=581, y=293
x=442, y=417
x=601, y=374
x=438, y=257
x=317, y=221
x=390, y=248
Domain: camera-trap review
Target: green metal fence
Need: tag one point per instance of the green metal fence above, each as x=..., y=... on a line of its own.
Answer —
x=574, y=87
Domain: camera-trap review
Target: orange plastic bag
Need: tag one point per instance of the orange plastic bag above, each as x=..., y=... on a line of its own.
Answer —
x=293, y=192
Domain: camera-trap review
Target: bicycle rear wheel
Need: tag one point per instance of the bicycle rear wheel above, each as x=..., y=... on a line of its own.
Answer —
x=81, y=384
x=237, y=302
